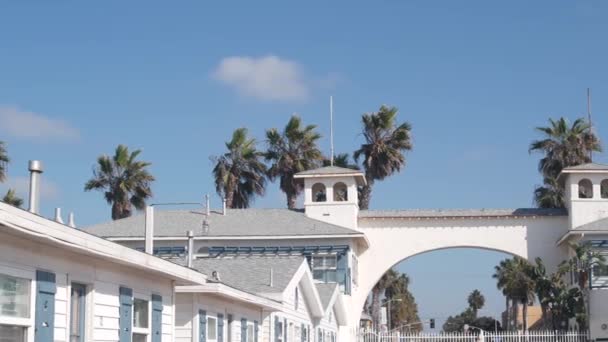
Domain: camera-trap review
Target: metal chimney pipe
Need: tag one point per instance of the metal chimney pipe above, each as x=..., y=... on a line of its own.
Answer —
x=58, y=215
x=71, y=222
x=149, y=226
x=35, y=168
x=271, y=277
x=223, y=206
x=190, y=248
x=207, y=205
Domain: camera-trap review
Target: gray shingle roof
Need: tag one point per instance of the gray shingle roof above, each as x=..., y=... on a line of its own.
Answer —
x=326, y=291
x=430, y=213
x=599, y=225
x=329, y=170
x=252, y=274
x=588, y=166
x=236, y=222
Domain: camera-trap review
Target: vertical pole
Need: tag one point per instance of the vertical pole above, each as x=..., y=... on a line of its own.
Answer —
x=331, y=130
x=589, y=118
x=149, y=225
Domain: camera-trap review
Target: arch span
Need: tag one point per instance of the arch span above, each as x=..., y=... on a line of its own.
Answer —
x=392, y=241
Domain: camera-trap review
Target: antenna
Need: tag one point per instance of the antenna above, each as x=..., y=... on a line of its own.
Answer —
x=589, y=119
x=331, y=130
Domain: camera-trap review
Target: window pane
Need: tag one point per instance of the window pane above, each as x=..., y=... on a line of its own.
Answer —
x=211, y=328
x=140, y=313
x=14, y=297
x=330, y=261
x=317, y=262
x=331, y=276
x=318, y=274
x=139, y=337
x=250, y=333
x=9, y=333
x=77, y=303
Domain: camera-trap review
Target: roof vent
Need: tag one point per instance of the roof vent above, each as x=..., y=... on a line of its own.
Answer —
x=216, y=275
x=58, y=215
x=71, y=222
x=271, y=283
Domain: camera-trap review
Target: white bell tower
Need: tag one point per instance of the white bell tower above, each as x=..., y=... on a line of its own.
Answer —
x=586, y=193
x=330, y=194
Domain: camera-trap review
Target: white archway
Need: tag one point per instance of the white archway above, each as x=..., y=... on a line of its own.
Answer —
x=394, y=240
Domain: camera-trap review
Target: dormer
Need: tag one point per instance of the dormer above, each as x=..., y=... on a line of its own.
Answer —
x=330, y=194
x=586, y=193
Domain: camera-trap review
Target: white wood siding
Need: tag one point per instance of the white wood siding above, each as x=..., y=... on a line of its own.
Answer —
x=102, y=278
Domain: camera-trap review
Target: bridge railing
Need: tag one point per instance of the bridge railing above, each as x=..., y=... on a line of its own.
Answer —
x=503, y=336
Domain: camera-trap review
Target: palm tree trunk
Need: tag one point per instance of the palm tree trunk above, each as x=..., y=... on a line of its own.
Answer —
x=291, y=200
x=366, y=195
x=515, y=308
x=525, y=315
x=375, y=308
x=507, y=314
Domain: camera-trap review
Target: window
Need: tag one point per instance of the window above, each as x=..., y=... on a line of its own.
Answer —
x=585, y=189
x=250, y=333
x=279, y=332
x=141, y=320
x=324, y=268
x=340, y=192
x=304, y=334
x=211, y=328
x=604, y=188
x=77, y=312
x=318, y=193
x=15, y=298
x=297, y=299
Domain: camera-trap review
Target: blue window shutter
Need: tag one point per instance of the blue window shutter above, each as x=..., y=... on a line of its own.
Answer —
x=202, y=325
x=220, y=327
x=126, y=314
x=285, y=330
x=243, y=330
x=256, y=331
x=276, y=329
x=303, y=333
x=157, y=318
x=45, y=306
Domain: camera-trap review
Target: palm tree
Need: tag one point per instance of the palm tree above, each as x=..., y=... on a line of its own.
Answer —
x=4, y=160
x=515, y=278
x=341, y=160
x=476, y=301
x=124, y=180
x=500, y=274
x=563, y=146
x=12, y=199
x=378, y=290
x=291, y=151
x=240, y=173
x=382, y=151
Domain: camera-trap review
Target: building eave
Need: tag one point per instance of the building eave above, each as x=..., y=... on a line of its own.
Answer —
x=19, y=222
x=231, y=293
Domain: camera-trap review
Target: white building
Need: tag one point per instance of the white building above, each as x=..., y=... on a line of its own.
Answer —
x=354, y=248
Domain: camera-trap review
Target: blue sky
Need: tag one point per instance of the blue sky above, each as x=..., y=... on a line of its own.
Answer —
x=174, y=79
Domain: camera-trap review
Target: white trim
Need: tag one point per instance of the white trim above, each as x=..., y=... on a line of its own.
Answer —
x=27, y=323
x=21, y=222
x=240, y=237
x=231, y=293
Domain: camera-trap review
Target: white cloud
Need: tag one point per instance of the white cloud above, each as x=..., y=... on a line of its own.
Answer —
x=28, y=125
x=267, y=78
x=48, y=189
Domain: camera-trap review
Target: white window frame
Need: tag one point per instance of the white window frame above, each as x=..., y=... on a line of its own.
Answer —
x=27, y=323
x=89, y=282
x=207, y=328
x=138, y=330
x=324, y=267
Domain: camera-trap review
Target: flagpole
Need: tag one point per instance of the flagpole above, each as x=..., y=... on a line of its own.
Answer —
x=331, y=130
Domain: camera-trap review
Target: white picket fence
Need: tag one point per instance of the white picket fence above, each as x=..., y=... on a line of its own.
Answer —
x=502, y=336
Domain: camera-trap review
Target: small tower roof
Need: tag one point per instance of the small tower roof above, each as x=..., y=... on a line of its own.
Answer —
x=332, y=171
x=586, y=167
